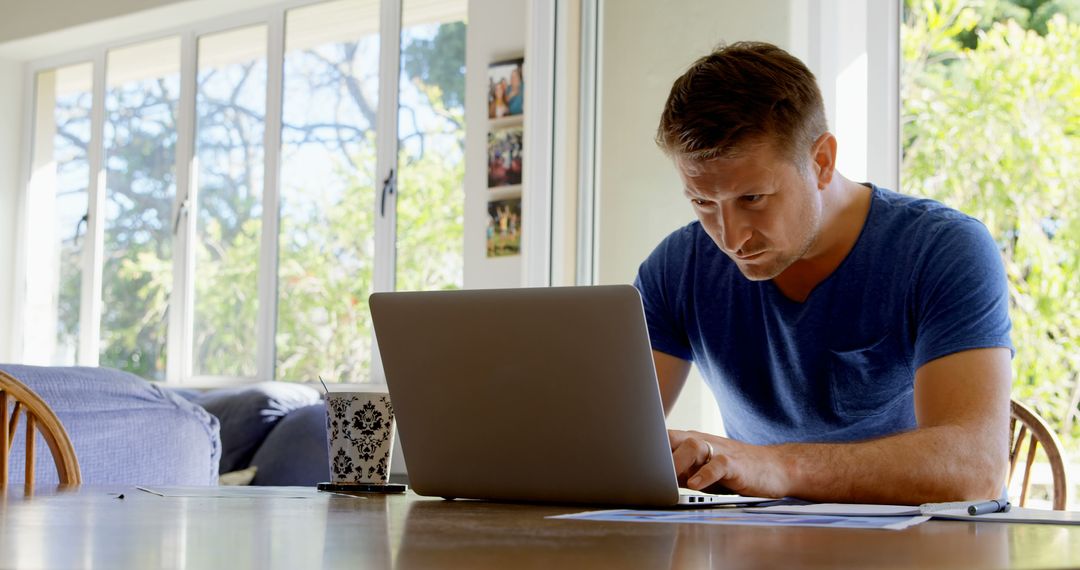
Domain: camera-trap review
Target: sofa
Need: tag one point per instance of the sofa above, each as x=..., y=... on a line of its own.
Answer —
x=126, y=430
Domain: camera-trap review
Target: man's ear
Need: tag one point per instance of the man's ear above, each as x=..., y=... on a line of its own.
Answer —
x=823, y=154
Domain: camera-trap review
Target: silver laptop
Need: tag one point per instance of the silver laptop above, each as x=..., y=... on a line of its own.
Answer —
x=545, y=395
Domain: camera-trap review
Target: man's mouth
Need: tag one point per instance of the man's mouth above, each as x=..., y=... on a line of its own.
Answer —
x=749, y=257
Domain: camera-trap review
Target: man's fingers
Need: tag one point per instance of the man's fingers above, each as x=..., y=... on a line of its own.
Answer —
x=709, y=473
x=689, y=454
x=676, y=437
x=684, y=457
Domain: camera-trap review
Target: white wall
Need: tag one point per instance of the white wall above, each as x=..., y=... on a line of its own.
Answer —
x=496, y=31
x=11, y=131
x=645, y=46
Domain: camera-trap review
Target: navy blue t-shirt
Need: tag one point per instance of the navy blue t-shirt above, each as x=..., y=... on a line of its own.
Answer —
x=923, y=281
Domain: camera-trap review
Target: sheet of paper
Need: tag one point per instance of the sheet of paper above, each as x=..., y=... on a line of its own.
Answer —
x=840, y=510
x=958, y=511
x=738, y=517
x=1015, y=515
x=237, y=492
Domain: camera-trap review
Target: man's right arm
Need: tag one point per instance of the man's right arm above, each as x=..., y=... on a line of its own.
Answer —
x=671, y=374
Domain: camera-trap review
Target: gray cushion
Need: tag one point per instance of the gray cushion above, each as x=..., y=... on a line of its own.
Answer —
x=295, y=453
x=249, y=413
x=124, y=429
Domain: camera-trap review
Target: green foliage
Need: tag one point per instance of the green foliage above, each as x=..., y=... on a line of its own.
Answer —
x=994, y=131
x=439, y=62
x=226, y=289
x=140, y=147
x=431, y=224
x=1028, y=14
x=325, y=271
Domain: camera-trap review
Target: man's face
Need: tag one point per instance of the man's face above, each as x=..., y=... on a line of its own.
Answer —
x=761, y=209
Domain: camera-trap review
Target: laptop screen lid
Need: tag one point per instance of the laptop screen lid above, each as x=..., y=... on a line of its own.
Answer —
x=544, y=394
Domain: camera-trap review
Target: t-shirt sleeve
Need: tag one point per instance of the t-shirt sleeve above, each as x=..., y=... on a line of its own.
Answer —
x=962, y=295
x=659, y=282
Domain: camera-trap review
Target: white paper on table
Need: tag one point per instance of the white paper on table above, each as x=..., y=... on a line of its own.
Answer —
x=841, y=510
x=1015, y=515
x=238, y=492
x=740, y=517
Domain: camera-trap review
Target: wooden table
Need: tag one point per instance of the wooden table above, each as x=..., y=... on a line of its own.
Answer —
x=92, y=527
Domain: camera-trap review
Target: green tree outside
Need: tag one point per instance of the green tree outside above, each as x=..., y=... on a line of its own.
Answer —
x=991, y=126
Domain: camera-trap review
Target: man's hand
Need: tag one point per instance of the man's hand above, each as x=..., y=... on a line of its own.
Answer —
x=750, y=470
x=958, y=452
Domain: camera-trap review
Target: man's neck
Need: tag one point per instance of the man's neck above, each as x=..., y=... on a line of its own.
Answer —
x=847, y=205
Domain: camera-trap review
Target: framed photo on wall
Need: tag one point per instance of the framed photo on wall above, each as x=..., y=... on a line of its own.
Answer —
x=504, y=227
x=506, y=88
x=504, y=156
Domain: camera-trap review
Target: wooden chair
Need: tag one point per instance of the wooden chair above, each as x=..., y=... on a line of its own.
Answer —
x=39, y=416
x=1031, y=423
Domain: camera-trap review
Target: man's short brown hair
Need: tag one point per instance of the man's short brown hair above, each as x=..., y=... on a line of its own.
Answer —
x=742, y=94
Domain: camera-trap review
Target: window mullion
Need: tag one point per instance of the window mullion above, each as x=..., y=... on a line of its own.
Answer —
x=588, y=129
x=268, y=250
x=181, y=301
x=386, y=136
x=883, y=86
x=387, y=144
x=93, y=256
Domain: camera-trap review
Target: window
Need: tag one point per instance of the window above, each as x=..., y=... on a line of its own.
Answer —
x=142, y=95
x=58, y=200
x=431, y=130
x=224, y=258
x=230, y=126
x=328, y=189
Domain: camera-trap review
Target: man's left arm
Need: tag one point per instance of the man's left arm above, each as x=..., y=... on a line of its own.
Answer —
x=959, y=451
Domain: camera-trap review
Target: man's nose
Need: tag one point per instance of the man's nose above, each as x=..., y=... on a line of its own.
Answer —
x=734, y=231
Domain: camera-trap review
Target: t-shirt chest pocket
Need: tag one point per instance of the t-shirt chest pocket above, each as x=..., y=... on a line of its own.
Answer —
x=869, y=380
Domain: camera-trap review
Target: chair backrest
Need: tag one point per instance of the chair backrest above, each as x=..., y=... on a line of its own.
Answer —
x=40, y=417
x=1026, y=422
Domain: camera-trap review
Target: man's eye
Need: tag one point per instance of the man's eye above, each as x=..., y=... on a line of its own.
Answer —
x=751, y=198
x=700, y=203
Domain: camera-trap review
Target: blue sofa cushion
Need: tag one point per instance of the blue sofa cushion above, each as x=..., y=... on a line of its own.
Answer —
x=124, y=429
x=249, y=413
x=296, y=452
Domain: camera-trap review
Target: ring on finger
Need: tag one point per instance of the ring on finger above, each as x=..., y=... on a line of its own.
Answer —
x=708, y=457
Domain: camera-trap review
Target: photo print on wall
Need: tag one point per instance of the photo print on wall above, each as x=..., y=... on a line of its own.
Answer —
x=506, y=88
x=504, y=227
x=504, y=156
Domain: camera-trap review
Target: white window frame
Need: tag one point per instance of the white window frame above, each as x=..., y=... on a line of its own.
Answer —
x=539, y=134
x=181, y=311
x=825, y=34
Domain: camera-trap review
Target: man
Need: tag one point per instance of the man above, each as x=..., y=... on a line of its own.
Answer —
x=856, y=340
